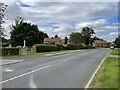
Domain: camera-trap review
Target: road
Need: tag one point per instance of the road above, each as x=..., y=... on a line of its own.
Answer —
x=72, y=70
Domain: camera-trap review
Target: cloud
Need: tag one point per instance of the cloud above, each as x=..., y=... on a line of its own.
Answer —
x=111, y=27
x=62, y=30
x=93, y=24
x=69, y=16
x=114, y=33
x=110, y=36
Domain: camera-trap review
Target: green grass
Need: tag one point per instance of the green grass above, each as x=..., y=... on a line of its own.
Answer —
x=115, y=52
x=107, y=75
x=30, y=53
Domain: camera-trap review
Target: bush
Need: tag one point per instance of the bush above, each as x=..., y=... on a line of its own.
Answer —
x=72, y=47
x=77, y=47
x=10, y=51
x=87, y=47
x=60, y=47
x=45, y=47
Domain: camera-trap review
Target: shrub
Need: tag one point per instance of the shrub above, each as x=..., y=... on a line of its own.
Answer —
x=45, y=47
x=87, y=47
x=72, y=47
x=10, y=51
x=77, y=46
x=60, y=46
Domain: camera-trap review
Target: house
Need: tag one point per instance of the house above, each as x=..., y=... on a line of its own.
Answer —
x=52, y=40
x=100, y=43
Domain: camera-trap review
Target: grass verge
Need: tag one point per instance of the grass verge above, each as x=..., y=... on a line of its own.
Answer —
x=115, y=52
x=40, y=54
x=107, y=76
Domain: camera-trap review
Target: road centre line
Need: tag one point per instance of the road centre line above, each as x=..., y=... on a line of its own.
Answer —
x=25, y=74
x=35, y=70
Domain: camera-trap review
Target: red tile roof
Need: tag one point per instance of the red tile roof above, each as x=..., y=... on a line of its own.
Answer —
x=52, y=40
x=100, y=41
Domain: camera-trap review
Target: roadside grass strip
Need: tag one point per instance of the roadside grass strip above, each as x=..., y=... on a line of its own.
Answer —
x=107, y=76
x=42, y=53
x=115, y=52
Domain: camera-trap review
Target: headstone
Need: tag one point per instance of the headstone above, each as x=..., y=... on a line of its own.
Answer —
x=20, y=49
x=34, y=50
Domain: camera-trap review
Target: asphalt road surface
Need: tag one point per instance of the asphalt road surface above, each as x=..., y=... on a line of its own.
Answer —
x=72, y=70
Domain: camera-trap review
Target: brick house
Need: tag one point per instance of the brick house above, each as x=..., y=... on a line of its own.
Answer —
x=100, y=43
x=52, y=40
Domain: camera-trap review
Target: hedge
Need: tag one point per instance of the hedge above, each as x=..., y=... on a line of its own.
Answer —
x=10, y=51
x=45, y=47
x=77, y=47
x=52, y=47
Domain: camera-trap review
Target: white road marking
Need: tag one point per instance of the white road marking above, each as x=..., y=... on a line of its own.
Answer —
x=25, y=74
x=36, y=71
x=32, y=84
x=87, y=86
x=8, y=70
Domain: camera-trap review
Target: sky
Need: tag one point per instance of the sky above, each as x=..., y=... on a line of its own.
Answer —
x=63, y=18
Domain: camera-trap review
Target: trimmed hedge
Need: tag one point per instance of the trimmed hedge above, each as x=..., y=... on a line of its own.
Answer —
x=10, y=51
x=72, y=47
x=60, y=47
x=45, y=47
x=52, y=47
x=77, y=47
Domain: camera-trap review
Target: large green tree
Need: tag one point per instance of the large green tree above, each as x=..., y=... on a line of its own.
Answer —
x=76, y=38
x=117, y=42
x=87, y=34
x=25, y=31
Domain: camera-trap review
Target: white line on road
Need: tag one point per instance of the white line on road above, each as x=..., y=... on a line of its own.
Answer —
x=87, y=86
x=25, y=74
x=32, y=84
x=8, y=70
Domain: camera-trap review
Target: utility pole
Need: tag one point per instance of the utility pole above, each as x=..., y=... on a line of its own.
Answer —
x=2, y=14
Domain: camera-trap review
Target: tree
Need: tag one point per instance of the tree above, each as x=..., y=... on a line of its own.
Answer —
x=66, y=40
x=87, y=34
x=56, y=36
x=25, y=31
x=42, y=35
x=97, y=38
x=76, y=38
x=2, y=14
x=117, y=42
x=4, y=40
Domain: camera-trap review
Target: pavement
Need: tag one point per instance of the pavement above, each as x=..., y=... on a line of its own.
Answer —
x=72, y=70
x=7, y=62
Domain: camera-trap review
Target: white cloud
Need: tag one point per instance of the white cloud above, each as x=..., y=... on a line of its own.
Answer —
x=114, y=33
x=93, y=24
x=64, y=30
x=110, y=36
x=99, y=31
x=111, y=27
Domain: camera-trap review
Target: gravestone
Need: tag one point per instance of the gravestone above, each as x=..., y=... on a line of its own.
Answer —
x=33, y=49
x=20, y=49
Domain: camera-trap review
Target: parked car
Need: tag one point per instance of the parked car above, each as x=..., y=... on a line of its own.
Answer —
x=112, y=47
